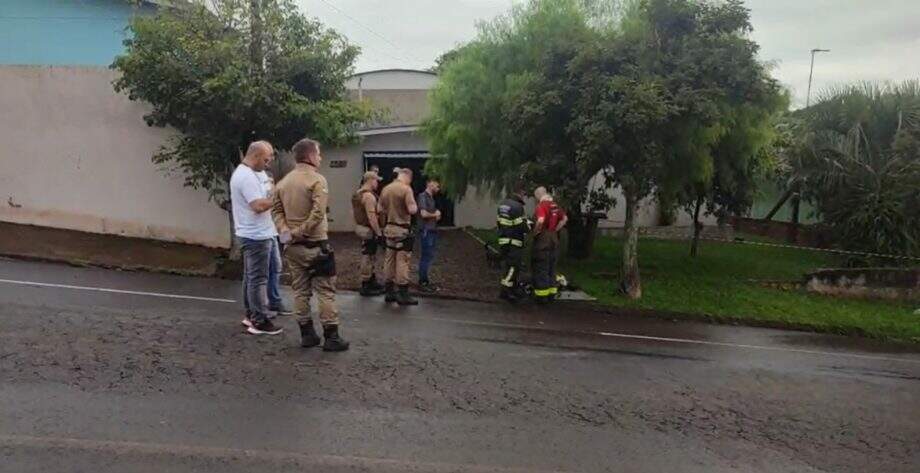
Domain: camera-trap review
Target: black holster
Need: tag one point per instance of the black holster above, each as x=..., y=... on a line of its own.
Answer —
x=406, y=244
x=324, y=263
x=369, y=247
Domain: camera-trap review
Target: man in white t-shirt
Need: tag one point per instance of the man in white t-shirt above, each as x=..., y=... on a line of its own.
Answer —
x=276, y=302
x=253, y=226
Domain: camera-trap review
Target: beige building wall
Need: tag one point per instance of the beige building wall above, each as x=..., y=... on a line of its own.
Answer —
x=400, y=107
x=402, y=94
x=473, y=210
x=76, y=155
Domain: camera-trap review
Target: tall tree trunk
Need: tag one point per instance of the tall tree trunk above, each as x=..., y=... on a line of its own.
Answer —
x=255, y=31
x=236, y=251
x=779, y=205
x=631, y=285
x=794, y=229
x=697, y=228
x=581, y=231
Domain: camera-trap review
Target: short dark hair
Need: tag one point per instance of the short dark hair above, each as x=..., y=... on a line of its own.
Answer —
x=304, y=148
x=433, y=179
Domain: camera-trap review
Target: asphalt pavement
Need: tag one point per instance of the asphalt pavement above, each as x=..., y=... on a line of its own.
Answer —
x=108, y=371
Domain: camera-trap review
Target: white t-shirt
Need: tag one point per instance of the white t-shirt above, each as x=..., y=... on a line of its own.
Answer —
x=246, y=186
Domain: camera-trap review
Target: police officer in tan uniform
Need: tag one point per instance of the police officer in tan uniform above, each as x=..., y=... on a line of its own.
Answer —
x=367, y=227
x=396, y=208
x=299, y=212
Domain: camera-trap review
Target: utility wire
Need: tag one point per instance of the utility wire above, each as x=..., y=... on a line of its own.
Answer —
x=371, y=30
x=88, y=18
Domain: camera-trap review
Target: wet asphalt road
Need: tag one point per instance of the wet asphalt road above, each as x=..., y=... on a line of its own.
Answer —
x=115, y=381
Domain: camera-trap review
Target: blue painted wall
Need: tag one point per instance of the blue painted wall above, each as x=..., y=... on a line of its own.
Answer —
x=64, y=32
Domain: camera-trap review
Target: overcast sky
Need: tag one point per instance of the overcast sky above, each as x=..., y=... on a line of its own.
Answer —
x=868, y=39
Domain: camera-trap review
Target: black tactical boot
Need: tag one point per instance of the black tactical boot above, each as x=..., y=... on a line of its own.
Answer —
x=368, y=289
x=391, y=292
x=376, y=284
x=403, y=298
x=308, y=336
x=333, y=342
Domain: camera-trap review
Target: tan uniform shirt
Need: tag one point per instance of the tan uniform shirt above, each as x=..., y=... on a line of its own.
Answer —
x=300, y=204
x=364, y=206
x=394, y=204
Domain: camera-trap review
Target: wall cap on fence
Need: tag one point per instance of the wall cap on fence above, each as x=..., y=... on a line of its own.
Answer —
x=884, y=283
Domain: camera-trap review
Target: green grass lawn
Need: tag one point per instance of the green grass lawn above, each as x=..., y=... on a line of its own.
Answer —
x=720, y=284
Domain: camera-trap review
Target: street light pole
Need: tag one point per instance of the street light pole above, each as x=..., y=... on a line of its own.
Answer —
x=811, y=73
x=797, y=195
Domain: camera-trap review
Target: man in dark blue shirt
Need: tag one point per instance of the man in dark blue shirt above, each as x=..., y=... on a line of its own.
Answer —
x=429, y=215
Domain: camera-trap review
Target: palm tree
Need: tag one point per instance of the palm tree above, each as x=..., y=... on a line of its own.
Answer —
x=856, y=155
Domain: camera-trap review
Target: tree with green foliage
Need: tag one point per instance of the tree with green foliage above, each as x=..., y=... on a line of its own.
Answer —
x=645, y=94
x=441, y=61
x=741, y=158
x=236, y=71
x=670, y=99
x=501, y=110
x=856, y=155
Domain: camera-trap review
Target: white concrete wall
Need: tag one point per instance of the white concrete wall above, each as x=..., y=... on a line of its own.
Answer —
x=648, y=210
x=392, y=79
x=76, y=155
x=473, y=210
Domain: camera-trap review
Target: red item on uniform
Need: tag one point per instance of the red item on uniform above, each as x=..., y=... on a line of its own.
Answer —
x=551, y=214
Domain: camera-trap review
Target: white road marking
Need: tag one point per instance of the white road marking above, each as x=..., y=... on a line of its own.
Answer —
x=754, y=347
x=116, y=291
x=112, y=448
x=671, y=340
x=500, y=325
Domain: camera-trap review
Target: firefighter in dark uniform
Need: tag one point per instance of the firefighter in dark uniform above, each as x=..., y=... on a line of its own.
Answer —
x=549, y=219
x=512, y=229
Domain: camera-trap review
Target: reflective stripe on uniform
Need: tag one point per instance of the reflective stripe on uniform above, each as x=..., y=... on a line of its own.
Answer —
x=545, y=292
x=508, y=222
x=510, y=241
x=508, y=281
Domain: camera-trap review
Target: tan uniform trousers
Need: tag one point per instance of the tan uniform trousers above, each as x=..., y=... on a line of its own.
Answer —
x=299, y=259
x=368, y=259
x=396, y=262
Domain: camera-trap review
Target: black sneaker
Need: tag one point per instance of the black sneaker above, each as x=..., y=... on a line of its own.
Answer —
x=427, y=287
x=281, y=310
x=265, y=328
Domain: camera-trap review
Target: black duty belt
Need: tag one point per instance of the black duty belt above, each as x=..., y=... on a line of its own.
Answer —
x=310, y=244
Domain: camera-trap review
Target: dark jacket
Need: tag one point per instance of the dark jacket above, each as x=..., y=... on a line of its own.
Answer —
x=512, y=226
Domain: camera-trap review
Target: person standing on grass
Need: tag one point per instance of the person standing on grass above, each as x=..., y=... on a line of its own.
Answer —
x=429, y=216
x=299, y=211
x=253, y=226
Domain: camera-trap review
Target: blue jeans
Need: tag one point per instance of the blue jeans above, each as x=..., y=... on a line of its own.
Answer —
x=274, y=280
x=257, y=255
x=428, y=240
x=274, y=276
